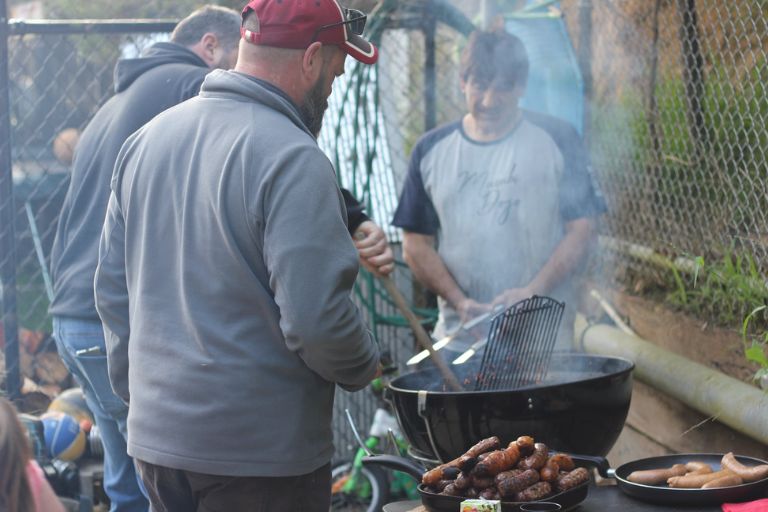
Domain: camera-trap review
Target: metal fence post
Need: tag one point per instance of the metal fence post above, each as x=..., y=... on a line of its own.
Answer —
x=693, y=71
x=488, y=11
x=585, y=62
x=430, y=73
x=7, y=222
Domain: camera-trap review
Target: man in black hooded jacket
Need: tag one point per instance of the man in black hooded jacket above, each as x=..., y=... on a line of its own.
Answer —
x=166, y=75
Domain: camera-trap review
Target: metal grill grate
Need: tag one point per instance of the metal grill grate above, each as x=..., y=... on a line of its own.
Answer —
x=520, y=344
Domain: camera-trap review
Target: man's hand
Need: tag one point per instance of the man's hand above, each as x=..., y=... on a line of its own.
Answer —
x=469, y=309
x=375, y=254
x=512, y=296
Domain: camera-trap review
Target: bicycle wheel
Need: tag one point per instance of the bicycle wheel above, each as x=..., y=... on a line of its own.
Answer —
x=370, y=493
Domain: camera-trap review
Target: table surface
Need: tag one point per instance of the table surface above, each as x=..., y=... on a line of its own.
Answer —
x=600, y=499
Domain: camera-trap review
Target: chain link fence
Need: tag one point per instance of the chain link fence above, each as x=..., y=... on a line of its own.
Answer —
x=676, y=125
x=58, y=76
x=679, y=144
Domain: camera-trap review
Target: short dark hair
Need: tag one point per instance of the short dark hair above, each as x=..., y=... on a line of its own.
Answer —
x=222, y=21
x=495, y=55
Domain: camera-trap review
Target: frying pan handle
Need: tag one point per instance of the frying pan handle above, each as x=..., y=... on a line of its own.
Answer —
x=599, y=463
x=412, y=468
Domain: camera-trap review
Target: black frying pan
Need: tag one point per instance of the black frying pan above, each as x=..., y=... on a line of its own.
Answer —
x=442, y=503
x=662, y=494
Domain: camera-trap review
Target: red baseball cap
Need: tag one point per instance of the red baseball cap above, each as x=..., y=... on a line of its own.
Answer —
x=298, y=23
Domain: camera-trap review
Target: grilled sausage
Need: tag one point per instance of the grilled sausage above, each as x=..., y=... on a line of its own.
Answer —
x=507, y=474
x=512, y=485
x=490, y=494
x=482, y=482
x=656, y=476
x=441, y=485
x=696, y=481
x=535, y=492
x=465, y=463
x=498, y=461
x=451, y=490
x=563, y=461
x=572, y=479
x=525, y=444
x=447, y=471
x=431, y=477
x=748, y=474
x=550, y=472
x=726, y=481
x=463, y=481
x=514, y=452
x=698, y=468
x=537, y=459
x=451, y=473
x=486, y=445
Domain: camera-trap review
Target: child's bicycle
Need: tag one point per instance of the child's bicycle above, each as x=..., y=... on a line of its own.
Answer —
x=368, y=488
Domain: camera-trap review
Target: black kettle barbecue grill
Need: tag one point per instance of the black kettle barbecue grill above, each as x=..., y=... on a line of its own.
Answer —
x=579, y=407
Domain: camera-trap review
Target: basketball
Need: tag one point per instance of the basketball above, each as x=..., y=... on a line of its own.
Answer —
x=64, y=145
x=72, y=401
x=64, y=438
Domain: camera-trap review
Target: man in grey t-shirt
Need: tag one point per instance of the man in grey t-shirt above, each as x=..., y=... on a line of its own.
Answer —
x=498, y=206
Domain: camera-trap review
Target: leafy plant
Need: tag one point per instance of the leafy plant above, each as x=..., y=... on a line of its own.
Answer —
x=756, y=347
x=724, y=291
x=728, y=291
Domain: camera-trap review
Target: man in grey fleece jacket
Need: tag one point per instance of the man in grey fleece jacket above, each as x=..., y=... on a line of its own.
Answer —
x=165, y=75
x=225, y=271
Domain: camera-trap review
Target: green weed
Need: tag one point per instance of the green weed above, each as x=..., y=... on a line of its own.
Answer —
x=727, y=292
x=756, y=346
x=724, y=291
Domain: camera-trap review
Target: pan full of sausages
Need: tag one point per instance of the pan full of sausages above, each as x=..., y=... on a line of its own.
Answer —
x=689, y=479
x=700, y=475
x=521, y=471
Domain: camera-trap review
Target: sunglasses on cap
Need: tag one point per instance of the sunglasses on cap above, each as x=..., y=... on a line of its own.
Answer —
x=353, y=19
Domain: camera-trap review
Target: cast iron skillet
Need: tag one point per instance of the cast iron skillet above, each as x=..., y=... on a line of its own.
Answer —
x=661, y=494
x=441, y=503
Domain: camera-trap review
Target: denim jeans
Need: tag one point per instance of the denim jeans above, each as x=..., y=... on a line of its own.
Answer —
x=90, y=371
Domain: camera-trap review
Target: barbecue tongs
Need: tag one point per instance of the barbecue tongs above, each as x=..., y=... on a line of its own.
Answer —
x=450, y=337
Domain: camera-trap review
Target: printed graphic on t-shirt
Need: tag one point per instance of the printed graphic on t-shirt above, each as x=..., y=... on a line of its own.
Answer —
x=496, y=198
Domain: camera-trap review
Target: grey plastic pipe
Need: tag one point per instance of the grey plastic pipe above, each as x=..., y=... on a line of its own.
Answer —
x=740, y=406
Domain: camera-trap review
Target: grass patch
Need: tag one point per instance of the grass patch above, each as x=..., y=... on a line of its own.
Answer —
x=726, y=290
x=729, y=291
